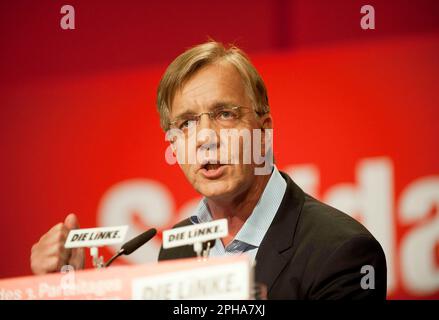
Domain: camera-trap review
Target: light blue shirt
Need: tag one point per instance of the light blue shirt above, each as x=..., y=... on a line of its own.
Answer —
x=250, y=236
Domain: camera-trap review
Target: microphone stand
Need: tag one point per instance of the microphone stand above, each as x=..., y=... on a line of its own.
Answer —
x=98, y=261
x=117, y=255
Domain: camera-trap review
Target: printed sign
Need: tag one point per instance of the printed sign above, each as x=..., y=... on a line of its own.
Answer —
x=196, y=233
x=96, y=237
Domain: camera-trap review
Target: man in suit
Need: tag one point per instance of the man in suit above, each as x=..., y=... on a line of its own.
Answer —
x=303, y=249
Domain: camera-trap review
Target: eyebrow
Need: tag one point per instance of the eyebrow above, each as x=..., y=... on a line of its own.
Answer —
x=213, y=106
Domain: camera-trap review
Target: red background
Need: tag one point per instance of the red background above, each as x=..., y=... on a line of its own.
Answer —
x=77, y=107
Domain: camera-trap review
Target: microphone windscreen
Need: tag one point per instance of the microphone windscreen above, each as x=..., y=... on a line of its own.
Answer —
x=138, y=241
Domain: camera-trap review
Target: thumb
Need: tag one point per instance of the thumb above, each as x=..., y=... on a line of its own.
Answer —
x=71, y=222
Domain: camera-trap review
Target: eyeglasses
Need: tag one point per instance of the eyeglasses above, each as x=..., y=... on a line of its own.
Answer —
x=224, y=116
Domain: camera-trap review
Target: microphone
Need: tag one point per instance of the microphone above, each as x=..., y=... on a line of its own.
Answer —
x=132, y=245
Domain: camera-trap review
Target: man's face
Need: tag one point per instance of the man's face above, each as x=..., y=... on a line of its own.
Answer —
x=211, y=86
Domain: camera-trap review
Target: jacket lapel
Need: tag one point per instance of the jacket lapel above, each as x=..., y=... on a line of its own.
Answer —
x=276, y=248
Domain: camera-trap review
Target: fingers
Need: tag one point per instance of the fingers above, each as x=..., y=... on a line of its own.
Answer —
x=49, y=264
x=49, y=251
x=42, y=262
x=53, y=241
x=49, y=254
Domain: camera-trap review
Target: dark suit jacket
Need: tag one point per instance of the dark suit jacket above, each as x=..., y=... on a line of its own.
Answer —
x=312, y=251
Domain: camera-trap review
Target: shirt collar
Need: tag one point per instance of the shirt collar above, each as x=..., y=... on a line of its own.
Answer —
x=254, y=229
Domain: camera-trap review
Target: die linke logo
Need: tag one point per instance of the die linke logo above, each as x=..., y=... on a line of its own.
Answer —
x=196, y=233
x=96, y=237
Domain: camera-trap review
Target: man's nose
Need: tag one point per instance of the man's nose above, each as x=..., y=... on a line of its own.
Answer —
x=206, y=133
x=205, y=121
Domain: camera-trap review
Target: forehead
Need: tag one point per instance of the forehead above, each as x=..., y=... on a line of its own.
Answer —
x=213, y=83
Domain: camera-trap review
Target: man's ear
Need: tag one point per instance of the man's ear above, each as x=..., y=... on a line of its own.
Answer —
x=266, y=121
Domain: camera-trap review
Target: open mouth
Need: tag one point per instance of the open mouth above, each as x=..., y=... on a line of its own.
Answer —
x=212, y=170
x=211, y=166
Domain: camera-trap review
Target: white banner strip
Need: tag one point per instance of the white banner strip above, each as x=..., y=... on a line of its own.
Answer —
x=219, y=282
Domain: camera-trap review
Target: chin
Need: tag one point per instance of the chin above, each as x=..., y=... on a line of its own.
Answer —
x=214, y=189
